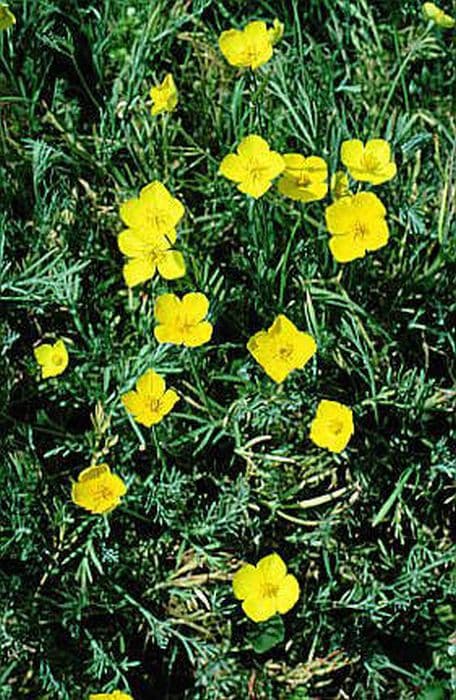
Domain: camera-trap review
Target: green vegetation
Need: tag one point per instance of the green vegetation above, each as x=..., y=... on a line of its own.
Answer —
x=141, y=600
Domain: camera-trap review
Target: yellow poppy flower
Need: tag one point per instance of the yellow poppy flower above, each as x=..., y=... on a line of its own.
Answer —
x=53, y=359
x=304, y=179
x=357, y=224
x=156, y=212
x=332, y=426
x=339, y=185
x=370, y=163
x=164, y=96
x=7, y=19
x=116, y=695
x=282, y=348
x=266, y=589
x=276, y=33
x=149, y=254
x=97, y=490
x=250, y=47
x=151, y=401
x=182, y=321
x=254, y=167
x=435, y=14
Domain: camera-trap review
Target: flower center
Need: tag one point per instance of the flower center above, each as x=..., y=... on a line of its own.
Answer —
x=336, y=427
x=57, y=359
x=269, y=590
x=257, y=169
x=360, y=230
x=154, y=405
x=303, y=180
x=371, y=163
x=102, y=493
x=285, y=352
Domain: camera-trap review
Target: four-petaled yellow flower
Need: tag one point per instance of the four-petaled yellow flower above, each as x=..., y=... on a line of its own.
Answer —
x=370, y=163
x=97, y=489
x=7, y=19
x=435, y=14
x=151, y=401
x=304, y=179
x=164, y=96
x=148, y=241
x=254, y=167
x=339, y=185
x=116, y=695
x=357, y=224
x=53, y=359
x=250, y=47
x=266, y=589
x=332, y=426
x=182, y=321
x=282, y=348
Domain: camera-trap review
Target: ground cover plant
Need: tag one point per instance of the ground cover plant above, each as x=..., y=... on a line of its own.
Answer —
x=227, y=450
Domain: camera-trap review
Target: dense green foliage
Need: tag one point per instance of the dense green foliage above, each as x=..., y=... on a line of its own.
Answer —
x=142, y=599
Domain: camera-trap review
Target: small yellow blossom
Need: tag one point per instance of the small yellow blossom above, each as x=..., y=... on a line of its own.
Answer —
x=182, y=321
x=116, y=695
x=276, y=33
x=339, y=185
x=250, y=47
x=370, y=163
x=332, y=426
x=254, y=167
x=149, y=254
x=357, y=224
x=266, y=589
x=97, y=490
x=164, y=96
x=304, y=179
x=282, y=348
x=435, y=14
x=155, y=213
x=7, y=19
x=151, y=401
x=53, y=359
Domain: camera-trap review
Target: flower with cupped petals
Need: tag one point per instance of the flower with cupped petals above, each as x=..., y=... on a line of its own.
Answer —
x=53, y=359
x=339, y=185
x=357, y=224
x=438, y=16
x=115, y=695
x=254, y=167
x=182, y=321
x=149, y=254
x=252, y=46
x=282, y=348
x=97, y=489
x=150, y=402
x=332, y=426
x=368, y=163
x=155, y=212
x=164, y=96
x=304, y=179
x=7, y=19
x=266, y=589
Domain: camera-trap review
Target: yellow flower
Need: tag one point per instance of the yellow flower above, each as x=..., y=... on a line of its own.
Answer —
x=282, y=348
x=53, y=359
x=250, y=47
x=7, y=19
x=357, y=224
x=266, y=589
x=116, y=695
x=332, y=426
x=304, y=179
x=148, y=254
x=434, y=13
x=254, y=167
x=156, y=212
x=339, y=185
x=370, y=163
x=181, y=321
x=97, y=490
x=164, y=96
x=151, y=401
x=276, y=33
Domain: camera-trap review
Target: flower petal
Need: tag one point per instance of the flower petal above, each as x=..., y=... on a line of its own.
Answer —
x=351, y=153
x=167, y=308
x=253, y=146
x=198, y=335
x=288, y=594
x=151, y=384
x=254, y=187
x=258, y=608
x=272, y=569
x=168, y=401
x=247, y=582
x=233, y=167
x=171, y=265
x=195, y=306
x=138, y=270
x=346, y=248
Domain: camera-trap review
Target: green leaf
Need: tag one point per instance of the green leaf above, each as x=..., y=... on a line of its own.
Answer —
x=267, y=635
